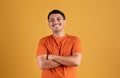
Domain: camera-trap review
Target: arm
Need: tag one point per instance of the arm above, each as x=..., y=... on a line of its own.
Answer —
x=73, y=60
x=46, y=64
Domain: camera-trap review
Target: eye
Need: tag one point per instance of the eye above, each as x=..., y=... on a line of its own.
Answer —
x=59, y=19
x=51, y=20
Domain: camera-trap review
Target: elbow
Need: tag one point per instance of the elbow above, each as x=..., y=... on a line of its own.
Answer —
x=77, y=62
x=42, y=67
x=41, y=62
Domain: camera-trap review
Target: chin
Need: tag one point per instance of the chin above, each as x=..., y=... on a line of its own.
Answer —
x=57, y=31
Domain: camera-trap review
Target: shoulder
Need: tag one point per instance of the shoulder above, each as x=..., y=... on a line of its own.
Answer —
x=73, y=37
x=43, y=39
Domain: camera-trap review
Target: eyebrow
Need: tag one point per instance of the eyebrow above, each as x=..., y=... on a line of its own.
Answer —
x=56, y=17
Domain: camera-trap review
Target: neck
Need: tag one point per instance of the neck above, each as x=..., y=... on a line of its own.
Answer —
x=59, y=34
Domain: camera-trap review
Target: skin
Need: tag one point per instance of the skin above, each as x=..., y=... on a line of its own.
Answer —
x=57, y=23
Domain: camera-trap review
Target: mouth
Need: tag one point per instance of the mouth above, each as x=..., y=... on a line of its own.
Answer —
x=57, y=25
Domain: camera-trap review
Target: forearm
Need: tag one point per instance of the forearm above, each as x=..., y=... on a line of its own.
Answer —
x=46, y=64
x=49, y=64
x=67, y=61
x=73, y=60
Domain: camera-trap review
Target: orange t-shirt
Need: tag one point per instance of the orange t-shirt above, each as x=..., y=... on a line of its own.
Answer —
x=62, y=46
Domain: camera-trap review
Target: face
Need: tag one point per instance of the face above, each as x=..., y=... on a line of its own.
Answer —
x=56, y=22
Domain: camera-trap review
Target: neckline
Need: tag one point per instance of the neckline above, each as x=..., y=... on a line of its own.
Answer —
x=59, y=37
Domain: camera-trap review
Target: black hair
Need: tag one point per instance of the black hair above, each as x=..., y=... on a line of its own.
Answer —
x=55, y=11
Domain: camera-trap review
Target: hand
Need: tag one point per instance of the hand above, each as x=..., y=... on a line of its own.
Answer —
x=50, y=56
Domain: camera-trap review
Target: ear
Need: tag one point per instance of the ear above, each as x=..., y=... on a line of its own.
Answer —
x=64, y=22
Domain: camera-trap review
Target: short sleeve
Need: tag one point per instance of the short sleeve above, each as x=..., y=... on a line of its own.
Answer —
x=41, y=47
x=76, y=45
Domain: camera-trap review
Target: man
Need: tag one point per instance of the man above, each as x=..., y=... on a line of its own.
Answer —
x=60, y=53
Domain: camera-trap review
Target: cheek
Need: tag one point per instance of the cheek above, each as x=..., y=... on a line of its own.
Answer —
x=50, y=23
x=64, y=23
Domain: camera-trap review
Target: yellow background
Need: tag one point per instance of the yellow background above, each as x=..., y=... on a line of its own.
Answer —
x=95, y=22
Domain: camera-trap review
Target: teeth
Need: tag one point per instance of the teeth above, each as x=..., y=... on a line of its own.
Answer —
x=56, y=25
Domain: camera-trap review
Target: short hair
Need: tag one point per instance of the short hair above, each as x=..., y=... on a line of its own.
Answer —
x=55, y=11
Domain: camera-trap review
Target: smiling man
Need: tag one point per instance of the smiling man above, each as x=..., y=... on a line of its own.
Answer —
x=59, y=54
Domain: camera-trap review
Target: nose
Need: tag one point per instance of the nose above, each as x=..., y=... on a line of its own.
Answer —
x=55, y=21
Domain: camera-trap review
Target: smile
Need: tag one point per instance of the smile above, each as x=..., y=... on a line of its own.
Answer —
x=55, y=25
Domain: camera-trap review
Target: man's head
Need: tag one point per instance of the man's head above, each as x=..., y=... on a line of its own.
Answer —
x=56, y=20
x=55, y=11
